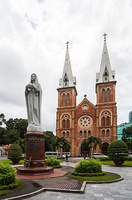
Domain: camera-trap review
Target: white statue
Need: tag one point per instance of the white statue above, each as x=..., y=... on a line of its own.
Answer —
x=33, y=94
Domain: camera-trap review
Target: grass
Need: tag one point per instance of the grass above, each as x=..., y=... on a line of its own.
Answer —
x=4, y=192
x=110, y=162
x=10, y=162
x=106, y=177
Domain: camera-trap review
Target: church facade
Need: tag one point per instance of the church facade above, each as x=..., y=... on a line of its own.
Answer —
x=77, y=122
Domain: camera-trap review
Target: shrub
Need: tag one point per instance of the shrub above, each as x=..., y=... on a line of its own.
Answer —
x=88, y=174
x=129, y=158
x=104, y=159
x=118, y=151
x=7, y=174
x=11, y=186
x=14, y=152
x=89, y=166
x=53, y=162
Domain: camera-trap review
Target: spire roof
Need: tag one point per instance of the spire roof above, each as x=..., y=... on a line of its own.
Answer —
x=105, y=74
x=67, y=79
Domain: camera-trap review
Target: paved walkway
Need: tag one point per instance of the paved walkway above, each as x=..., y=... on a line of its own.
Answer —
x=111, y=191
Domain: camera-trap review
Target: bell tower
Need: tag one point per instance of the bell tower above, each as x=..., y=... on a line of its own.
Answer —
x=106, y=110
x=66, y=103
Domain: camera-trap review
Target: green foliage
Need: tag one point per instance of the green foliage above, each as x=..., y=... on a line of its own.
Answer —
x=106, y=177
x=104, y=159
x=14, y=152
x=53, y=162
x=21, y=127
x=30, y=161
x=127, y=133
x=11, y=136
x=129, y=144
x=6, y=161
x=129, y=158
x=21, y=142
x=127, y=137
x=7, y=174
x=87, y=144
x=2, y=119
x=118, y=150
x=89, y=166
x=61, y=144
x=14, y=130
x=49, y=139
x=2, y=132
x=88, y=174
x=11, y=186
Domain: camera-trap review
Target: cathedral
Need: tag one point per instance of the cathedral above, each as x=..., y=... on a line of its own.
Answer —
x=77, y=122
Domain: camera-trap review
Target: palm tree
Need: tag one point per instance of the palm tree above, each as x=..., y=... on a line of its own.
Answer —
x=91, y=143
x=62, y=144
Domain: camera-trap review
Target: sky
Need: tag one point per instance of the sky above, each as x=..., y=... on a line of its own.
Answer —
x=33, y=36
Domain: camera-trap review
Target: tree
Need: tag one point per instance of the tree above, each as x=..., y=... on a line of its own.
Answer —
x=15, y=153
x=49, y=140
x=118, y=151
x=21, y=143
x=2, y=132
x=91, y=143
x=127, y=133
x=21, y=127
x=11, y=136
x=127, y=137
x=2, y=119
x=62, y=144
x=11, y=124
x=17, y=124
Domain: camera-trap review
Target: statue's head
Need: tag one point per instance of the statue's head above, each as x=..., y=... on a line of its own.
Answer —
x=34, y=78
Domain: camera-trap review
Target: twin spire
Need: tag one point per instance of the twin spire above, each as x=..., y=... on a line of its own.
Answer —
x=67, y=79
x=105, y=74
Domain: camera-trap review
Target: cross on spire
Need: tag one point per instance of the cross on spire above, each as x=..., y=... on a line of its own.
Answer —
x=105, y=36
x=67, y=44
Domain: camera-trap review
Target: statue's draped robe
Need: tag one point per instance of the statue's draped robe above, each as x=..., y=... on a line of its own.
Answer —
x=33, y=102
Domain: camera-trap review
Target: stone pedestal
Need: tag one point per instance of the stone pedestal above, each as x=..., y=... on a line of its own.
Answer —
x=35, y=150
x=35, y=155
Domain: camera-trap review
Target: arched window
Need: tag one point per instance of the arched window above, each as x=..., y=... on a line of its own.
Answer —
x=67, y=123
x=107, y=120
x=107, y=132
x=108, y=94
x=63, y=123
x=80, y=133
x=103, y=94
x=89, y=133
x=67, y=133
x=85, y=133
x=103, y=121
x=63, y=99
x=63, y=134
x=103, y=133
x=68, y=98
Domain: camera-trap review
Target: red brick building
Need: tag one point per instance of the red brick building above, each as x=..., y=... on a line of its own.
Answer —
x=77, y=122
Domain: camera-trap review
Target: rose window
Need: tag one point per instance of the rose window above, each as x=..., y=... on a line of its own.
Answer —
x=85, y=121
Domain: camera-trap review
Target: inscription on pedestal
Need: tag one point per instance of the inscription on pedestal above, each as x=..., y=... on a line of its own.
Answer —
x=31, y=147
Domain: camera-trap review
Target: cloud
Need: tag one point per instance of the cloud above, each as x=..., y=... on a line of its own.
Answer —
x=33, y=34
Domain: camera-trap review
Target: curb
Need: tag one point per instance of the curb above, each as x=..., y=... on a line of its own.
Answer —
x=81, y=191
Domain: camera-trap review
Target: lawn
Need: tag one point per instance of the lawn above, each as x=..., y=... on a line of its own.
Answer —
x=106, y=177
x=110, y=162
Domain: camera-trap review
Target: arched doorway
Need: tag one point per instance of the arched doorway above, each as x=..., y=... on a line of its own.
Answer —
x=104, y=147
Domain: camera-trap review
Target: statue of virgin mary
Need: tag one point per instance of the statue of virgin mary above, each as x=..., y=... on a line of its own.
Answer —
x=33, y=94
